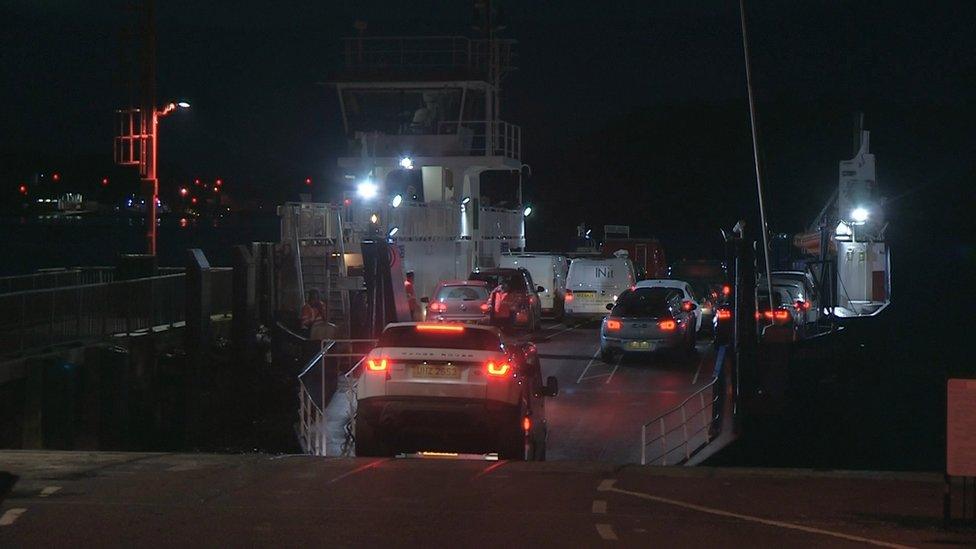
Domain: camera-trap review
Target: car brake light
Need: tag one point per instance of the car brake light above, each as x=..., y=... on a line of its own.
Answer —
x=613, y=324
x=497, y=370
x=526, y=424
x=485, y=307
x=376, y=365
x=685, y=306
x=667, y=325
x=724, y=314
x=726, y=289
x=569, y=295
x=438, y=307
x=781, y=314
x=802, y=305
x=453, y=328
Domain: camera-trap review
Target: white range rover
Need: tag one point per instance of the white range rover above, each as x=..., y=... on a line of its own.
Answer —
x=444, y=387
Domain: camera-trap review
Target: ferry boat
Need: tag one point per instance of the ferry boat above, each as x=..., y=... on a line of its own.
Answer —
x=431, y=166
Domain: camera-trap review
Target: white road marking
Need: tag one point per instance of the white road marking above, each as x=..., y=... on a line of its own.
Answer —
x=606, y=532
x=11, y=516
x=606, y=485
x=550, y=336
x=750, y=518
x=615, y=366
x=600, y=506
x=48, y=490
x=694, y=380
x=588, y=364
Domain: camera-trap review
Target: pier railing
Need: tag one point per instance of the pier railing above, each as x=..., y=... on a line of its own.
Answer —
x=36, y=319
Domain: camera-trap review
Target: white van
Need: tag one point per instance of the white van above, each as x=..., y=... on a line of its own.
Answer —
x=592, y=284
x=548, y=271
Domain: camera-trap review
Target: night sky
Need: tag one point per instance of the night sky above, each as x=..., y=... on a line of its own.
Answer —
x=632, y=112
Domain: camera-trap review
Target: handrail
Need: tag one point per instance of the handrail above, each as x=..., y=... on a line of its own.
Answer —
x=313, y=419
x=687, y=437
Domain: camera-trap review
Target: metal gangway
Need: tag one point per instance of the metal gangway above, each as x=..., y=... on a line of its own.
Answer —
x=327, y=397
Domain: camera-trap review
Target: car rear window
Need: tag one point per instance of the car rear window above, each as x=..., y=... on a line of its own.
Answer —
x=515, y=280
x=462, y=293
x=409, y=336
x=649, y=302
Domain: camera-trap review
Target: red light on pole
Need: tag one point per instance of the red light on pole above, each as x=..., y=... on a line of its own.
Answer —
x=56, y=177
x=184, y=192
x=196, y=182
x=193, y=200
x=308, y=181
x=105, y=182
x=22, y=189
x=219, y=182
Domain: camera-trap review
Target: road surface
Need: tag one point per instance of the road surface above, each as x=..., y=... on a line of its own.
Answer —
x=88, y=499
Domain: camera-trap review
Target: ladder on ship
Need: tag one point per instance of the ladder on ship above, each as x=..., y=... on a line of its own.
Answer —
x=322, y=267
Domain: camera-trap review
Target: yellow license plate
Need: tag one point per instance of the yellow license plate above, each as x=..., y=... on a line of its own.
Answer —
x=638, y=344
x=437, y=371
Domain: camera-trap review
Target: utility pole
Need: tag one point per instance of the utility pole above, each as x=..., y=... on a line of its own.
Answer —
x=755, y=155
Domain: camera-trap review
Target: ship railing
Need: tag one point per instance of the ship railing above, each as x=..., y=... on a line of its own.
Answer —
x=489, y=137
x=32, y=320
x=327, y=397
x=382, y=54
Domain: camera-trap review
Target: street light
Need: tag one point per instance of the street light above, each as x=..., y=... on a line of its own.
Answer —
x=527, y=211
x=397, y=200
x=150, y=170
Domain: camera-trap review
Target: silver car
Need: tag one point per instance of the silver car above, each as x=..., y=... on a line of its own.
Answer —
x=645, y=320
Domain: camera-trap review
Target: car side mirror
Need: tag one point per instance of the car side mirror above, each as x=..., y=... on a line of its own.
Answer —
x=552, y=387
x=688, y=306
x=540, y=290
x=425, y=299
x=609, y=306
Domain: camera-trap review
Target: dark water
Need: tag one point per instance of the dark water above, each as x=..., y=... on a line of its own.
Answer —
x=28, y=243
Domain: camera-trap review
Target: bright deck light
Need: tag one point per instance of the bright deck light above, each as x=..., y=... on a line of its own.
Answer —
x=860, y=215
x=367, y=189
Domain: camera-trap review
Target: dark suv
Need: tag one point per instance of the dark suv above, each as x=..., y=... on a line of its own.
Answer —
x=519, y=307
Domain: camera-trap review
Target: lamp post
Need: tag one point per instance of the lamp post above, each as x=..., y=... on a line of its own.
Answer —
x=150, y=178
